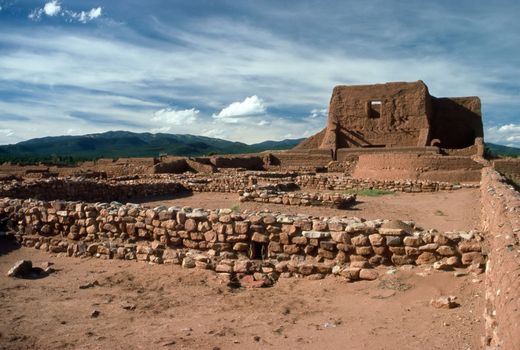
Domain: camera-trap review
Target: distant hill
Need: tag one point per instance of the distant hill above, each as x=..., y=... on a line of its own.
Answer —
x=121, y=144
x=495, y=150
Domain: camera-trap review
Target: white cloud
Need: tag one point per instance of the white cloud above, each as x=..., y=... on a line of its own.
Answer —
x=174, y=117
x=251, y=106
x=263, y=122
x=7, y=132
x=318, y=113
x=508, y=134
x=52, y=8
x=87, y=16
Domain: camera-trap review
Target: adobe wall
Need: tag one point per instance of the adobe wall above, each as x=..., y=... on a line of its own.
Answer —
x=249, y=162
x=403, y=119
x=170, y=165
x=300, y=160
x=501, y=220
x=417, y=167
x=240, y=243
x=457, y=121
x=509, y=167
x=399, y=114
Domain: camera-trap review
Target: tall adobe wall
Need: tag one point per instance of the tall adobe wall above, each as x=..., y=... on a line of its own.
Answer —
x=399, y=114
x=386, y=115
x=457, y=121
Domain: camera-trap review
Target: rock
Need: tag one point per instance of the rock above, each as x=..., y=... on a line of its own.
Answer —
x=188, y=262
x=315, y=234
x=20, y=269
x=368, y=274
x=460, y=274
x=395, y=228
x=248, y=281
x=128, y=306
x=442, y=265
x=94, y=313
x=444, y=302
x=89, y=285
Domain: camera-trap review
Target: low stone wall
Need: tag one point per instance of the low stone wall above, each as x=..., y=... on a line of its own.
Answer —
x=126, y=188
x=88, y=189
x=339, y=182
x=236, y=243
x=331, y=200
x=501, y=219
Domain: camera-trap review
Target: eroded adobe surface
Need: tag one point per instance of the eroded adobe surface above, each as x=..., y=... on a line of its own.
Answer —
x=397, y=115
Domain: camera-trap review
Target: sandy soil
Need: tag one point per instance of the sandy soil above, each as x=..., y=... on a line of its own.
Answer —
x=177, y=308
x=444, y=211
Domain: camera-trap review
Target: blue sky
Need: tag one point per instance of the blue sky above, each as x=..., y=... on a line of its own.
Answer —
x=243, y=70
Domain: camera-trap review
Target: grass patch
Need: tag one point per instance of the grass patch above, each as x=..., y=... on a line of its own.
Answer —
x=235, y=208
x=368, y=192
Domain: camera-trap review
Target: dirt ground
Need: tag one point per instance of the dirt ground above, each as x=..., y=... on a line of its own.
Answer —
x=177, y=308
x=444, y=211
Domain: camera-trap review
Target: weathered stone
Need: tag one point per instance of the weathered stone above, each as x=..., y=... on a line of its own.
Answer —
x=444, y=302
x=351, y=273
x=291, y=249
x=315, y=234
x=376, y=239
x=299, y=240
x=466, y=247
x=472, y=258
x=360, y=240
x=20, y=269
x=412, y=241
x=188, y=262
x=260, y=238
x=364, y=250
x=368, y=274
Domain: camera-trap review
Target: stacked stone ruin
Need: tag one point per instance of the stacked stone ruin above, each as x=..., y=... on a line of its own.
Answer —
x=237, y=243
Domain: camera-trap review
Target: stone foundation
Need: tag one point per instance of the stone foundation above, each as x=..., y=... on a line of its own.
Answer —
x=229, y=242
x=331, y=200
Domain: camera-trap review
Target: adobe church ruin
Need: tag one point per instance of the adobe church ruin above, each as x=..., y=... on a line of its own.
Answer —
x=397, y=115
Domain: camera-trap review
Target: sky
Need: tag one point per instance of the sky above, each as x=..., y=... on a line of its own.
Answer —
x=243, y=70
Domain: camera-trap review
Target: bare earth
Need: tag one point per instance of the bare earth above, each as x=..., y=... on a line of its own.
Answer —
x=177, y=308
x=444, y=211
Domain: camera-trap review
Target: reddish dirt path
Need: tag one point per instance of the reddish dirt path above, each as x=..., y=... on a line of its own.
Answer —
x=191, y=309
x=444, y=211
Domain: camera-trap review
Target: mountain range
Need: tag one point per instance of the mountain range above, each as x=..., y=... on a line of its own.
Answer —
x=119, y=144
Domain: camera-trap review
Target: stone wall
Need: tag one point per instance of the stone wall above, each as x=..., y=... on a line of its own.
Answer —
x=263, y=244
x=331, y=200
x=501, y=219
x=340, y=182
x=88, y=189
x=126, y=188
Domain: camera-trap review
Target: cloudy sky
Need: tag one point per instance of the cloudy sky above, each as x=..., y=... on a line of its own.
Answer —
x=243, y=70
